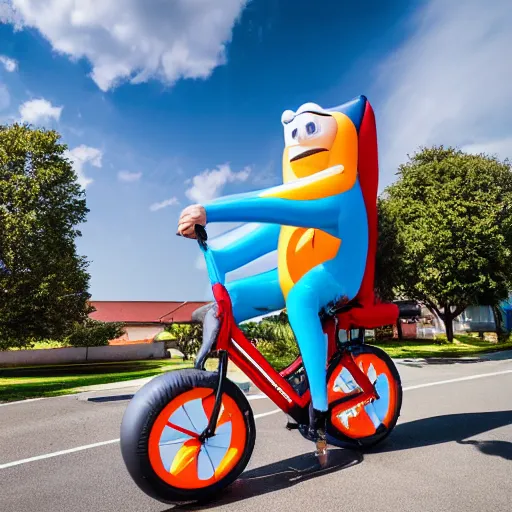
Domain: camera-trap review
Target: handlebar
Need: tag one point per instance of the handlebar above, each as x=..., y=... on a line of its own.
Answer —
x=201, y=236
x=214, y=273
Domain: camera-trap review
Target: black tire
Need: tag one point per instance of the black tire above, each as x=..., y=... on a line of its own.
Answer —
x=366, y=443
x=138, y=421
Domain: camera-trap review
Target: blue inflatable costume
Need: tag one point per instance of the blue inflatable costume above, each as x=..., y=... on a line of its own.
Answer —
x=317, y=221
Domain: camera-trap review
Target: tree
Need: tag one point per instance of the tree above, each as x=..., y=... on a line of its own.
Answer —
x=388, y=258
x=281, y=318
x=188, y=338
x=43, y=282
x=446, y=231
x=93, y=333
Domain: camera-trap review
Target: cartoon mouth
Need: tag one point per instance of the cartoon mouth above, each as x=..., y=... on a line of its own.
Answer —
x=307, y=153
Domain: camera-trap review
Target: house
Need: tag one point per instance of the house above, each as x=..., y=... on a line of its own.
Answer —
x=143, y=319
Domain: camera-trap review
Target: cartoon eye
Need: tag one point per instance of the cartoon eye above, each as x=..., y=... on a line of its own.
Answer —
x=294, y=133
x=311, y=128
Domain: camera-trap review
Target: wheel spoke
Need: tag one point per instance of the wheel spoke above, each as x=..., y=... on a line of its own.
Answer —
x=205, y=468
x=222, y=437
x=196, y=414
x=216, y=454
x=181, y=419
x=171, y=436
x=185, y=431
x=168, y=454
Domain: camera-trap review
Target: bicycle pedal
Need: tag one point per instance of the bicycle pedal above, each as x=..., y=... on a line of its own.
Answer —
x=292, y=426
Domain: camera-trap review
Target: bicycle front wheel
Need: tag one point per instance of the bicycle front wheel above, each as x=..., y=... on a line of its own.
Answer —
x=160, y=440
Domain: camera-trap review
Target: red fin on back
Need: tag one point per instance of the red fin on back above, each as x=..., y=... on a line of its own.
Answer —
x=368, y=169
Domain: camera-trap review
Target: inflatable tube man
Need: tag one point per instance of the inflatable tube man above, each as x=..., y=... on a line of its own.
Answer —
x=322, y=220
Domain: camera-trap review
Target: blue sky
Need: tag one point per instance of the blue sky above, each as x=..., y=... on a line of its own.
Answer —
x=167, y=103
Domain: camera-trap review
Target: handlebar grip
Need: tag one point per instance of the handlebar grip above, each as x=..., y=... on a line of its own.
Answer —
x=201, y=236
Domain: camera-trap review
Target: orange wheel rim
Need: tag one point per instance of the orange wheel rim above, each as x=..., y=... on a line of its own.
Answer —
x=363, y=420
x=177, y=455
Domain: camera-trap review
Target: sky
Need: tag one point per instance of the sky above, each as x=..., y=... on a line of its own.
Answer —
x=167, y=103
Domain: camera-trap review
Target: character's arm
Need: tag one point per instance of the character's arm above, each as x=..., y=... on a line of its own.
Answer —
x=301, y=203
x=259, y=241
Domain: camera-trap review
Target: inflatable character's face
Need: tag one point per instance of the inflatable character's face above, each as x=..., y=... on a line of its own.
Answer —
x=309, y=136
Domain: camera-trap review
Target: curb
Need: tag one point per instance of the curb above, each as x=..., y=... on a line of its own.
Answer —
x=495, y=355
x=84, y=394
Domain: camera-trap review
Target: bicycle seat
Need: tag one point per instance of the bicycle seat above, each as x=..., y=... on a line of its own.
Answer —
x=369, y=316
x=199, y=314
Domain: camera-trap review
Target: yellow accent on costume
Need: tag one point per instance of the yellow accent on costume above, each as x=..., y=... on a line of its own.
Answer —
x=319, y=175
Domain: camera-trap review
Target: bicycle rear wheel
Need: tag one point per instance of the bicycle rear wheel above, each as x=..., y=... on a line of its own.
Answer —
x=365, y=425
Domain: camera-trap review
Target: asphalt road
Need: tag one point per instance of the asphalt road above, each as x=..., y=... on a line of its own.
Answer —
x=451, y=451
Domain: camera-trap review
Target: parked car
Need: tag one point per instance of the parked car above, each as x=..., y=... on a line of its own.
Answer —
x=408, y=308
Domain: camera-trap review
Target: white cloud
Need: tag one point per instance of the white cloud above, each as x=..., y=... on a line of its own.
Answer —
x=81, y=156
x=39, y=111
x=167, y=40
x=9, y=64
x=129, y=176
x=209, y=184
x=448, y=84
x=164, y=204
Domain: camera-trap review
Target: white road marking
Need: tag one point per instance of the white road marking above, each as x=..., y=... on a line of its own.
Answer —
x=256, y=397
x=256, y=416
x=94, y=445
x=269, y=413
x=56, y=454
x=459, y=379
x=25, y=401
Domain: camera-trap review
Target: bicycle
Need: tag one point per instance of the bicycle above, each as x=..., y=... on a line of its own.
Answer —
x=188, y=434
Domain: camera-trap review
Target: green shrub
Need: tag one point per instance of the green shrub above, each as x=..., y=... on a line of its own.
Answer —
x=274, y=339
x=187, y=338
x=384, y=333
x=93, y=333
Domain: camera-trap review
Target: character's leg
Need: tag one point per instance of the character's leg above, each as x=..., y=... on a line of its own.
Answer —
x=310, y=294
x=255, y=295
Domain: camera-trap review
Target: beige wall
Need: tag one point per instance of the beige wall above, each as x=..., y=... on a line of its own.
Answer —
x=142, y=332
x=83, y=354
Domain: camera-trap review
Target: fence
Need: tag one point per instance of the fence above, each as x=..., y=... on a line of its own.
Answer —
x=76, y=355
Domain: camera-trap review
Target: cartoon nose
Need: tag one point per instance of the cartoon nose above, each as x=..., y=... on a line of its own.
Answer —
x=306, y=131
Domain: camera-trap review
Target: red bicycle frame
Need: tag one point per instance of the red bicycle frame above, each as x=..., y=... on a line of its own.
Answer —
x=272, y=383
x=231, y=343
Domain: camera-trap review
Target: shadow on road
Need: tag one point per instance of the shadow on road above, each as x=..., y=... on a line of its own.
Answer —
x=414, y=434
x=451, y=428
x=497, y=448
x=280, y=475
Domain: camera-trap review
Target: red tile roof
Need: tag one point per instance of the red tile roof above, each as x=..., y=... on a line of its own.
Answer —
x=144, y=312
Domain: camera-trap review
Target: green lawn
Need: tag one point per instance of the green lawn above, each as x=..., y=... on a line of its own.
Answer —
x=44, y=381
x=462, y=346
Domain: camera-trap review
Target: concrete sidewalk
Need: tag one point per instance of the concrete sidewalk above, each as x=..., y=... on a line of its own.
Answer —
x=245, y=384
x=234, y=374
